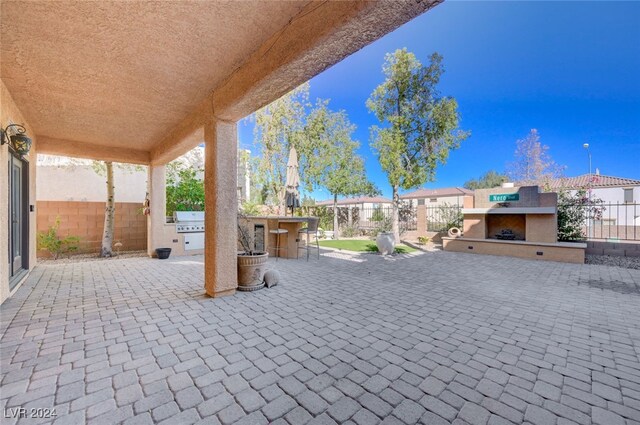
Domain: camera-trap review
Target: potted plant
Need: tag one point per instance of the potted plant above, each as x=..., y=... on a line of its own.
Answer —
x=252, y=264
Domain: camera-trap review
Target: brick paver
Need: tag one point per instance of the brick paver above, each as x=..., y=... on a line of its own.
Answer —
x=431, y=338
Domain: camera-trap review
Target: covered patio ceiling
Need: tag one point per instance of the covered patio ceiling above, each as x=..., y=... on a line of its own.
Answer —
x=135, y=81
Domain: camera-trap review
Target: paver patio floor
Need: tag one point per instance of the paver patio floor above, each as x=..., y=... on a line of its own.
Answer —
x=434, y=338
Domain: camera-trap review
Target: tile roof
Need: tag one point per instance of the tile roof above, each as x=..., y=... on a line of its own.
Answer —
x=359, y=200
x=598, y=180
x=434, y=193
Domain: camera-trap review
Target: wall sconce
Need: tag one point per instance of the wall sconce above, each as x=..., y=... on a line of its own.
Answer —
x=19, y=140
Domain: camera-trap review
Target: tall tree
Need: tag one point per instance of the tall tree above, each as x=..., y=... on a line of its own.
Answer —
x=336, y=165
x=106, y=249
x=532, y=163
x=486, y=181
x=421, y=127
x=279, y=127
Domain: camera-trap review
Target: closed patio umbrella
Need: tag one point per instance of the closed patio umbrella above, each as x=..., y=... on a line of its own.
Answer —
x=292, y=195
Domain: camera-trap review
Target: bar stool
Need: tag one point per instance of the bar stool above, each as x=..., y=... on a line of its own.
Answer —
x=278, y=231
x=311, y=229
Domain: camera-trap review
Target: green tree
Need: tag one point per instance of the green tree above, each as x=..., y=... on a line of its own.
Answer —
x=421, y=126
x=336, y=165
x=488, y=180
x=532, y=163
x=279, y=127
x=185, y=190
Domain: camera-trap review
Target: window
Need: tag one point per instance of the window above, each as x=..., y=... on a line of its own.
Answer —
x=433, y=200
x=420, y=201
x=628, y=196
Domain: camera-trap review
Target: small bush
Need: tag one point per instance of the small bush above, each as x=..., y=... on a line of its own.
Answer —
x=423, y=240
x=51, y=242
x=250, y=208
x=350, y=232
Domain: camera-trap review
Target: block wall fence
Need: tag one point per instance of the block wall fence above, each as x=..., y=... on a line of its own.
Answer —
x=86, y=220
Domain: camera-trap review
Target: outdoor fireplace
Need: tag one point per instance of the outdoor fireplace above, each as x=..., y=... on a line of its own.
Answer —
x=514, y=221
x=507, y=226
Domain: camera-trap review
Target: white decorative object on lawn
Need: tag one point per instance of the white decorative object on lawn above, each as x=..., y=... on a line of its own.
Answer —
x=386, y=243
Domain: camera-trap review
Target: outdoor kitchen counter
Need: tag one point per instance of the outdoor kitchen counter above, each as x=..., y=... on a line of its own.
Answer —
x=291, y=224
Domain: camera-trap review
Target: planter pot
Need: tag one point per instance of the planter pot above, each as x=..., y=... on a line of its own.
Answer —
x=163, y=253
x=385, y=243
x=251, y=269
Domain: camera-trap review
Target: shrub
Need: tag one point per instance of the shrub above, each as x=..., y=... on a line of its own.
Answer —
x=350, y=231
x=423, y=240
x=378, y=215
x=449, y=216
x=250, y=208
x=574, y=209
x=383, y=225
x=51, y=242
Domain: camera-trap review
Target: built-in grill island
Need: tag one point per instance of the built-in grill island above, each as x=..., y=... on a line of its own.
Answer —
x=191, y=225
x=514, y=221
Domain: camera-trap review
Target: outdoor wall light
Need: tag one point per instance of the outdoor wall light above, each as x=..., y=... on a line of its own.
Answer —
x=19, y=140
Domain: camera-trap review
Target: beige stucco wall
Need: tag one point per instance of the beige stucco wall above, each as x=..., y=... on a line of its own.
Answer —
x=81, y=183
x=9, y=113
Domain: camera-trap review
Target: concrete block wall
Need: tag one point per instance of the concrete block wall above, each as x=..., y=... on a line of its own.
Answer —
x=86, y=220
x=619, y=249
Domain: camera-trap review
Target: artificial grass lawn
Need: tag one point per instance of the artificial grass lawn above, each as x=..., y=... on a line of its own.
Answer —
x=361, y=245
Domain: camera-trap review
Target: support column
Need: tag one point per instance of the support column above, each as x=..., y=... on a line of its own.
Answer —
x=156, y=187
x=421, y=220
x=221, y=208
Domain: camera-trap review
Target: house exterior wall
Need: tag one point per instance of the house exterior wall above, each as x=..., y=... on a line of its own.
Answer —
x=9, y=113
x=618, y=218
x=440, y=200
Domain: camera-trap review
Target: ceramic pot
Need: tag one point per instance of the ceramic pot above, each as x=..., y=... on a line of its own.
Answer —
x=385, y=243
x=251, y=269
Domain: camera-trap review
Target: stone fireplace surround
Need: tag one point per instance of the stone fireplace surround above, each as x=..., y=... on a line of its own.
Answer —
x=529, y=213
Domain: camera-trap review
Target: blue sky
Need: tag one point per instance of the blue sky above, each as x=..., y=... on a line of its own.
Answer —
x=569, y=69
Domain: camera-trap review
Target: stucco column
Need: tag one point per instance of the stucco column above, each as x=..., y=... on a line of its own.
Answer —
x=221, y=208
x=421, y=220
x=156, y=186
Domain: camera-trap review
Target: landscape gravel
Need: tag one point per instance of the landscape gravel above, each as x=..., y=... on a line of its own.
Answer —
x=610, y=260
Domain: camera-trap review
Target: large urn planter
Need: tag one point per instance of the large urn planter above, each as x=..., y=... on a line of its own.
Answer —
x=386, y=243
x=251, y=269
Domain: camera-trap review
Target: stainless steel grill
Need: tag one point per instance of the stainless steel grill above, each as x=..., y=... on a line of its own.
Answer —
x=189, y=221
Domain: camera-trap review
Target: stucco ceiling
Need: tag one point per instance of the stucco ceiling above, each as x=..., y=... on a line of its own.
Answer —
x=122, y=74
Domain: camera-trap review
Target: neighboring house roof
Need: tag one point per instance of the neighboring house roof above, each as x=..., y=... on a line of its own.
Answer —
x=360, y=200
x=597, y=180
x=435, y=193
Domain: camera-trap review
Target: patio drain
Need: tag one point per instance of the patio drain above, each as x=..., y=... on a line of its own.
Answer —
x=612, y=285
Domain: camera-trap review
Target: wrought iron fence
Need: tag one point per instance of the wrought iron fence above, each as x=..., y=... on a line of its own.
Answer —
x=617, y=221
x=441, y=218
x=366, y=219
